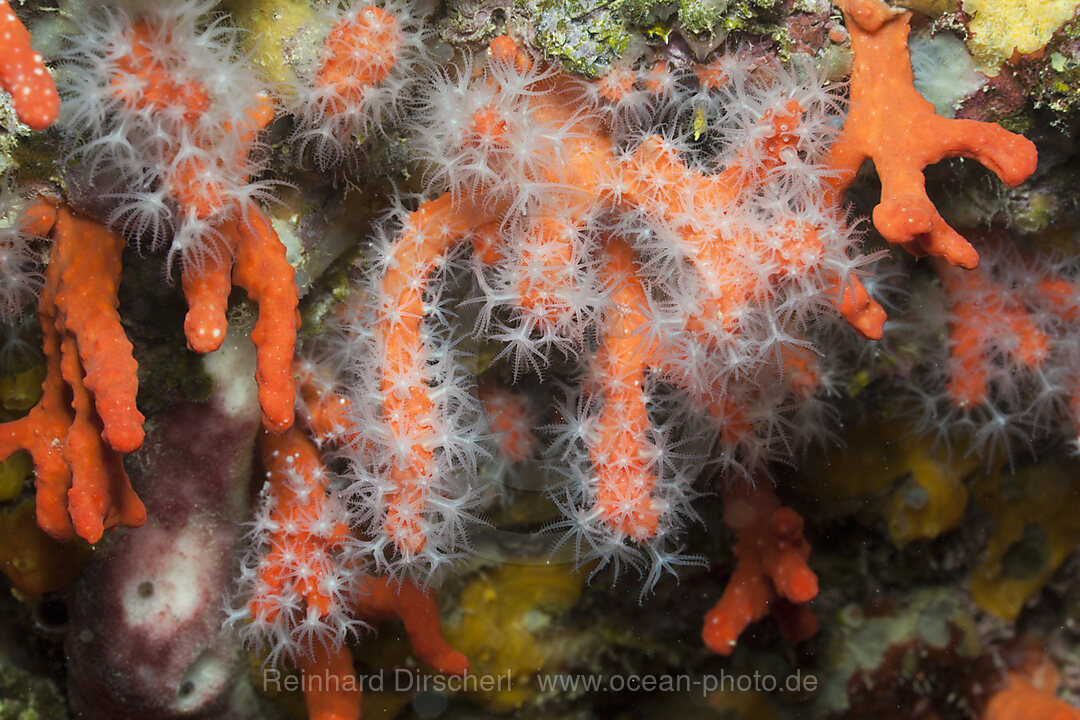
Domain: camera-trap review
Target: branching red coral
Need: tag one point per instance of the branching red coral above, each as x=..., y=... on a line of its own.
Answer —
x=147, y=80
x=659, y=177
x=249, y=247
x=890, y=123
x=1011, y=372
x=363, y=76
x=359, y=54
x=24, y=75
x=510, y=419
x=771, y=573
x=306, y=531
x=255, y=257
x=701, y=210
x=986, y=320
x=167, y=86
x=76, y=439
x=660, y=272
x=621, y=455
x=380, y=599
x=658, y=265
x=296, y=575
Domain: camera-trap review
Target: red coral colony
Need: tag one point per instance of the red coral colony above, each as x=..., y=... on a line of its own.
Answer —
x=622, y=323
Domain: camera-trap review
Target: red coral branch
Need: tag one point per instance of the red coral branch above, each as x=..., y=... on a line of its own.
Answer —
x=986, y=320
x=305, y=534
x=621, y=454
x=379, y=599
x=1022, y=700
x=303, y=544
x=890, y=123
x=75, y=439
x=333, y=700
x=206, y=173
x=1004, y=320
x=256, y=258
x=653, y=180
x=24, y=75
x=510, y=420
x=659, y=178
x=84, y=277
x=771, y=574
x=431, y=231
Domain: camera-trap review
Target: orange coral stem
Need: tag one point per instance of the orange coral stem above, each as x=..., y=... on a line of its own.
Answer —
x=24, y=75
x=84, y=273
x=264, y=272
x=982, y=313
x=771, y=573
x=82, y=488
x=141, y=81
x=330, y=696
x=297, y=479
x=895, y=126
x=206, y=289
x=434, y=227
x=259, y=265
x=661, y=180
x=1030, y=690
x=41, y=433
x=509, y=419
x=40, y=217
x=624, y=476
x=380, y=598
x=359, y=54
x=1021, y=700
